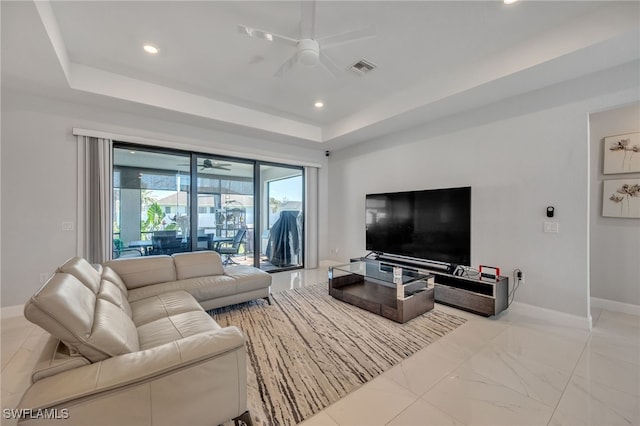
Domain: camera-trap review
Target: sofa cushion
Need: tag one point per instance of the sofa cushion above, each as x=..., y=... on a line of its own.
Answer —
x=110, y=275
x=248, y=278
x=110, y=292
x=142, y=271
x=64, y=307
x=163, y=305
x=212, y=287
x=113, y=331
x=174, y=327
x=197, y=264
x=83, y=271
x=69, y=310
x=202, y=288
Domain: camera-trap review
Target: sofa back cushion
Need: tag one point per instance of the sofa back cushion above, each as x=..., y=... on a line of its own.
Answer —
x=141, y=271
x=86, y=322
x=113, y=333
x=111, y=293
x=197, y=264
x=111, y=275
x=83, y=271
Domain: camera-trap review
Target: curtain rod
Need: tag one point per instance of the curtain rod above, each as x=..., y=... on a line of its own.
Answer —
x=142, y=140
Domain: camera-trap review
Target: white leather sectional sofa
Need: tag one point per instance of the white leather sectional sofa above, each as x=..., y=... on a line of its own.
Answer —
x=132, y=345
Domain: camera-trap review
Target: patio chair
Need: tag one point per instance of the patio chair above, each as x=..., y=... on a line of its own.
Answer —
x=120, y=251
x=232, y=248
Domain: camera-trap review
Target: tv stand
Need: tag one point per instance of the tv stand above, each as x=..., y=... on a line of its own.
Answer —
x=483, y=297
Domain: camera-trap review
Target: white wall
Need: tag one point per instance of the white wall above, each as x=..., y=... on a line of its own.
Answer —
x=39, y=177
x=519, y=156
x=615, y=242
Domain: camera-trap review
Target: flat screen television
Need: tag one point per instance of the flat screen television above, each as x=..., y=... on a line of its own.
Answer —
x=433, y=224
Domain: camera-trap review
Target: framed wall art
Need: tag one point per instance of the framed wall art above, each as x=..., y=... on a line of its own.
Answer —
x=622, y=154
x=621, y=198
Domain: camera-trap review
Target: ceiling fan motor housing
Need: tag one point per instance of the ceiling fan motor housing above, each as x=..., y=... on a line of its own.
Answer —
x=308, y=52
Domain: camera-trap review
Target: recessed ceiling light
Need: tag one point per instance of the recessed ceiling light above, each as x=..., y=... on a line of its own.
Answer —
x=509, y=1
x=318, y=104
x=268, y=36
x=150, y=49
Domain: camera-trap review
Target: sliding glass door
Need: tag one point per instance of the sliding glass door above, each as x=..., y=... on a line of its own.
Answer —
x=225, y=208
x=281, y=217
x=251, y=212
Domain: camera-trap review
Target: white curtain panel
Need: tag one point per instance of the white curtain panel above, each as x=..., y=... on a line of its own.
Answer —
x=95, y=221
x=311, y=221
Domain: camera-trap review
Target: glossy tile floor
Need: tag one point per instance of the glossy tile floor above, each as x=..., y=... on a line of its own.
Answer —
x=512, y=370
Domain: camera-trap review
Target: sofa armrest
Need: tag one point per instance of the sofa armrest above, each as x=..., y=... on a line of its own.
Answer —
x=56, y=358
x=126, y=371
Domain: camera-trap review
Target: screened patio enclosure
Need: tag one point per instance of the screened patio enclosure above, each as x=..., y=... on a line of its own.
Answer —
x=158, y=210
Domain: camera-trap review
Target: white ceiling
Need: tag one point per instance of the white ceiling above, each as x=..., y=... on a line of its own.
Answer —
x=434, y=58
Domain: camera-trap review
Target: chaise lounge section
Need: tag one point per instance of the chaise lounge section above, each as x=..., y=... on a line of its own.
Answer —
x=132, y=344
x=201, y=274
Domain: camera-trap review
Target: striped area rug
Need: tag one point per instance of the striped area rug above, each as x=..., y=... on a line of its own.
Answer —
x=307, y=349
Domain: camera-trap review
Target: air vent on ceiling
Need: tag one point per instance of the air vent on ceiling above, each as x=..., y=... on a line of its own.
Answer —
x=362, y=67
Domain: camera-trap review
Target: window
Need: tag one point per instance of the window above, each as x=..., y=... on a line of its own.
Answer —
x=281, y=236
x=147, y=185
x=159, y=211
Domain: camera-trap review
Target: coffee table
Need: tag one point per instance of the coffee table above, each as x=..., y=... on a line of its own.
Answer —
x=394, y=293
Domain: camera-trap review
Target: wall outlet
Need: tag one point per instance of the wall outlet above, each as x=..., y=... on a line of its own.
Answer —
x=67, y=226
x=552, y=227
x=521, y=277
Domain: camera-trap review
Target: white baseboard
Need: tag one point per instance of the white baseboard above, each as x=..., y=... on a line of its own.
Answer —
x=612, y=305
x=554, y=317
x=11, y=311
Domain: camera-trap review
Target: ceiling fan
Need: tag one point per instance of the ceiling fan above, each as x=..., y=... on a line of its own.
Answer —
x=309, y=50
x=211, y=164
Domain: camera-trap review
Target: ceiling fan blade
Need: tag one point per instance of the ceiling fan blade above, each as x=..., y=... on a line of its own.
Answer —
x=289, y=63
x=266, y=35
x=330, y=65
x=308, y=20
x=348, y=37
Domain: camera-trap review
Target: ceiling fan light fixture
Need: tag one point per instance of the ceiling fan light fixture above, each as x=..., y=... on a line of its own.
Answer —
x=308, y=52
x=308, y=47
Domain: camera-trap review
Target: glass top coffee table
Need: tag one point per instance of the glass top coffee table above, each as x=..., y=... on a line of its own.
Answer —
x=394, y=293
